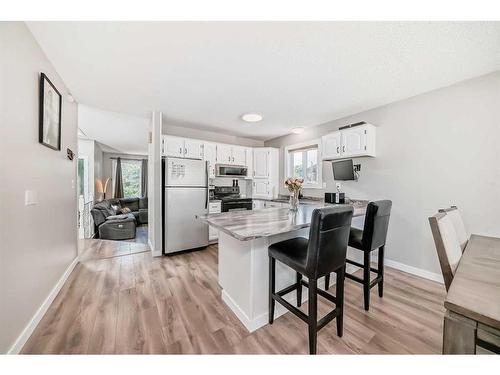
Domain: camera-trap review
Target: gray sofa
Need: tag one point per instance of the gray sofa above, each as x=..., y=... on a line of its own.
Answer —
x=111, y=224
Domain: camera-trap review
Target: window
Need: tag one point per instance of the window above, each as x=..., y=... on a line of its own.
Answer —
x=303, y=161
x=131, y=177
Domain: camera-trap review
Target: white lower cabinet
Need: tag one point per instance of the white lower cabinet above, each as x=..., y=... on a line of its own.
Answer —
x=214, y=207
x=258, y=204
x=261, y=189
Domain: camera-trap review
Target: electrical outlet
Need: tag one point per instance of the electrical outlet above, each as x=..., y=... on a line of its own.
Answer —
x=338, y=186
x=30, y=197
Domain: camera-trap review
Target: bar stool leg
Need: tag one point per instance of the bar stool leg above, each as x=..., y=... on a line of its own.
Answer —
x=272, y=280
x=381, y=271
x=299, y=289
x=327, y=281
x=313, y=315
x=339, y=295
x=366, y=279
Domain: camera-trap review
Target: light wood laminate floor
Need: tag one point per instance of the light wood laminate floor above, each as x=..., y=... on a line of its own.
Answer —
x=126, y=302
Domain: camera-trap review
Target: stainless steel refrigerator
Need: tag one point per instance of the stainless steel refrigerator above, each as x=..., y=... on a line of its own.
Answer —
x=185, y=198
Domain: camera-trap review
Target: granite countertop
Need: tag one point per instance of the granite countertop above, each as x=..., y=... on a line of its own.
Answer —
x=248, y=225
x=286, y=198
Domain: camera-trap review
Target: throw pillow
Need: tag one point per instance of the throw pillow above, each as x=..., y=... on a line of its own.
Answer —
x=125, y=210
x=116, y=208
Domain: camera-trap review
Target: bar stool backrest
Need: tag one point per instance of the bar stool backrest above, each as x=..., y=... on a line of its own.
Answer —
x=376, y=224
x=328, y=239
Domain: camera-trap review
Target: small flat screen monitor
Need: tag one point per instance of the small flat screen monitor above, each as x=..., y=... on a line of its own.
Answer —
x=343, y=170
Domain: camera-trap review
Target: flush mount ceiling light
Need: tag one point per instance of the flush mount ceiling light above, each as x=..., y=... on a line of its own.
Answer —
x=251, y=117
x=297, y=130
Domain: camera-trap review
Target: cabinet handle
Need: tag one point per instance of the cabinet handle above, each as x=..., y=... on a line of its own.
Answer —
x=343, y=148
x=185, y=151
x=338, y=151
x=180, y=150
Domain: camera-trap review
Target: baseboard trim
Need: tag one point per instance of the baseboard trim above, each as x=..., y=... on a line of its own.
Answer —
x=415, y=271
x=156, y=253
x=30, y=327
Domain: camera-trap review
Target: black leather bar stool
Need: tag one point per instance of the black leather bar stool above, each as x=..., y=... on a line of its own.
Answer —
x=324, y=252
x=372, y=237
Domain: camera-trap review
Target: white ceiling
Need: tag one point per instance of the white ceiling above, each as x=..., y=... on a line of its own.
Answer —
x=206, y=74
x=116, y=132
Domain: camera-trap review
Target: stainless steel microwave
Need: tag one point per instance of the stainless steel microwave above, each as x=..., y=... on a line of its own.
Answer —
x=225, y=170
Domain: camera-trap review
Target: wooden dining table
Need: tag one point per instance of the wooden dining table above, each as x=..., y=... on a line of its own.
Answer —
x=472, y=318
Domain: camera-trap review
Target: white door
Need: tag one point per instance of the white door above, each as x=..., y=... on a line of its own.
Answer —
x=260, y=163
x=224, y=154
x=183, y=228
x=174, y=146
x=353, y=141
x=332, y=145
x=239, y=156
x=193, y=149
x=261, y=188
x=210, y=155
x=185, y=172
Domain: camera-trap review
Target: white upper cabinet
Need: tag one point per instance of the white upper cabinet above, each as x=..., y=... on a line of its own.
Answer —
x=350, y=142
x=224, y=154
x=261, y=161
x=229, y=154
x=210, y=155
x=353, y=141
x=182, y=147
x=239, y=155
x=193, y=149
x=173, y=146
x=331, y=145
x=265, y=172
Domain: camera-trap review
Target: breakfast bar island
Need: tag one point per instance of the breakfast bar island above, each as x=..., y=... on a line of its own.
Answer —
x=244, y=238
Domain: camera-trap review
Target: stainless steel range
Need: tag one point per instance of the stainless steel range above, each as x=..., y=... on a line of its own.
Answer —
x=231, y=199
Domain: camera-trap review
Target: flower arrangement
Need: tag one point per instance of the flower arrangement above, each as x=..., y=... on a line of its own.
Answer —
x=294, y=186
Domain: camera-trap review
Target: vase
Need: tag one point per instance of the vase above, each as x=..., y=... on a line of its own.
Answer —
x=294, y=201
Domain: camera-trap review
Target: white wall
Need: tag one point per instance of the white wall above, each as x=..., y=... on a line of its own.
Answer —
x=210, y=136
x=118, y=132
x=38, y=242
x=433, y=150
x=86, y=149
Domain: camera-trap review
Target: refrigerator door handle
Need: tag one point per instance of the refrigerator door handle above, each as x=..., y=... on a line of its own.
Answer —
x=206, y=176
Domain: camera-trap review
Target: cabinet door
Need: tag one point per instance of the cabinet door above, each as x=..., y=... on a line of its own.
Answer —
x=258, y=205
x=332, y=145
x=260, y=163
x=193, y=149
x=239, y=155
x=224, y=155
x=210, y=155
x=261, y=188
x=174, y=146
x=354, y=141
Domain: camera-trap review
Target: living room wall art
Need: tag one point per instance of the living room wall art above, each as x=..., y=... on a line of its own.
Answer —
x=50, y=108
